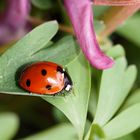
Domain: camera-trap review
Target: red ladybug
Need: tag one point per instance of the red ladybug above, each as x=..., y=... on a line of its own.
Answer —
x=45, y=78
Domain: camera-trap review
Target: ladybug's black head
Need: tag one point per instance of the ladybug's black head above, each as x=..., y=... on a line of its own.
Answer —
x=67, y=82
x=67, y=79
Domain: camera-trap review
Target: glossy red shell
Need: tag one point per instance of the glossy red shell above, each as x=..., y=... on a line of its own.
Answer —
x=42, y=78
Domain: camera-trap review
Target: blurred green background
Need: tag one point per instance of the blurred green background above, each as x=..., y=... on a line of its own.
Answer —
x=34, y=113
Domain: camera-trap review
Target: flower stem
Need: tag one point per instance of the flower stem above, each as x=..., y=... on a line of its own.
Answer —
x=63, y=28
x=116, y=2
x=115, y=16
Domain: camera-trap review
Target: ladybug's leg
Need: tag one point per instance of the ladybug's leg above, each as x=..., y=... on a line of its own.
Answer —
x=61, y=93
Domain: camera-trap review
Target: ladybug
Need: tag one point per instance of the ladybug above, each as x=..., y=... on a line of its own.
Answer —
x=45, y=78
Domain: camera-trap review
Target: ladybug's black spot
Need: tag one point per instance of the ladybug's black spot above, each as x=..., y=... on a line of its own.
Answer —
x=43, y=72
x=28, y=82
x=49, y=87
x=59, y=69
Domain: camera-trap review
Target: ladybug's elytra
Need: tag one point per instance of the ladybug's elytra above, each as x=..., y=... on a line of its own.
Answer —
x=45, y=78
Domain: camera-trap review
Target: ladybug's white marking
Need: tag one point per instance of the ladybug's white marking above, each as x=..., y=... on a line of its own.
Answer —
x=68, y=87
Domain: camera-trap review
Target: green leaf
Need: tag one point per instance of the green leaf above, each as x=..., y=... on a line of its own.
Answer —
x=124, y=123
x=9, y=124
x=62, y=131
x=22, y=52
x=115, y=86
x=133, y=57
x=75, y=105
x=93, y=100
x=95, y=133
x=95, y=83
x=98, y=26
x=130, y=29
x=132, y=99
x=35, y=46
x=43, y=4
x=136, y=134
x=58, y=52
x=116, y=51
x=128, y=137
x=58, y=115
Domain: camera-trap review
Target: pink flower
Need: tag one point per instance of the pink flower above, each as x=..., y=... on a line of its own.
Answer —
x=81, y=15
x=13, y=23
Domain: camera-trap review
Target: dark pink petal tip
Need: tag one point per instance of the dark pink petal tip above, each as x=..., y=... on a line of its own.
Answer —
x=81, y=15
x=103, y=62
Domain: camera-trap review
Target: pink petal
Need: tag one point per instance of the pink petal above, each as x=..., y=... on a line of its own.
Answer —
x=13, y=23
x=81, y=15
